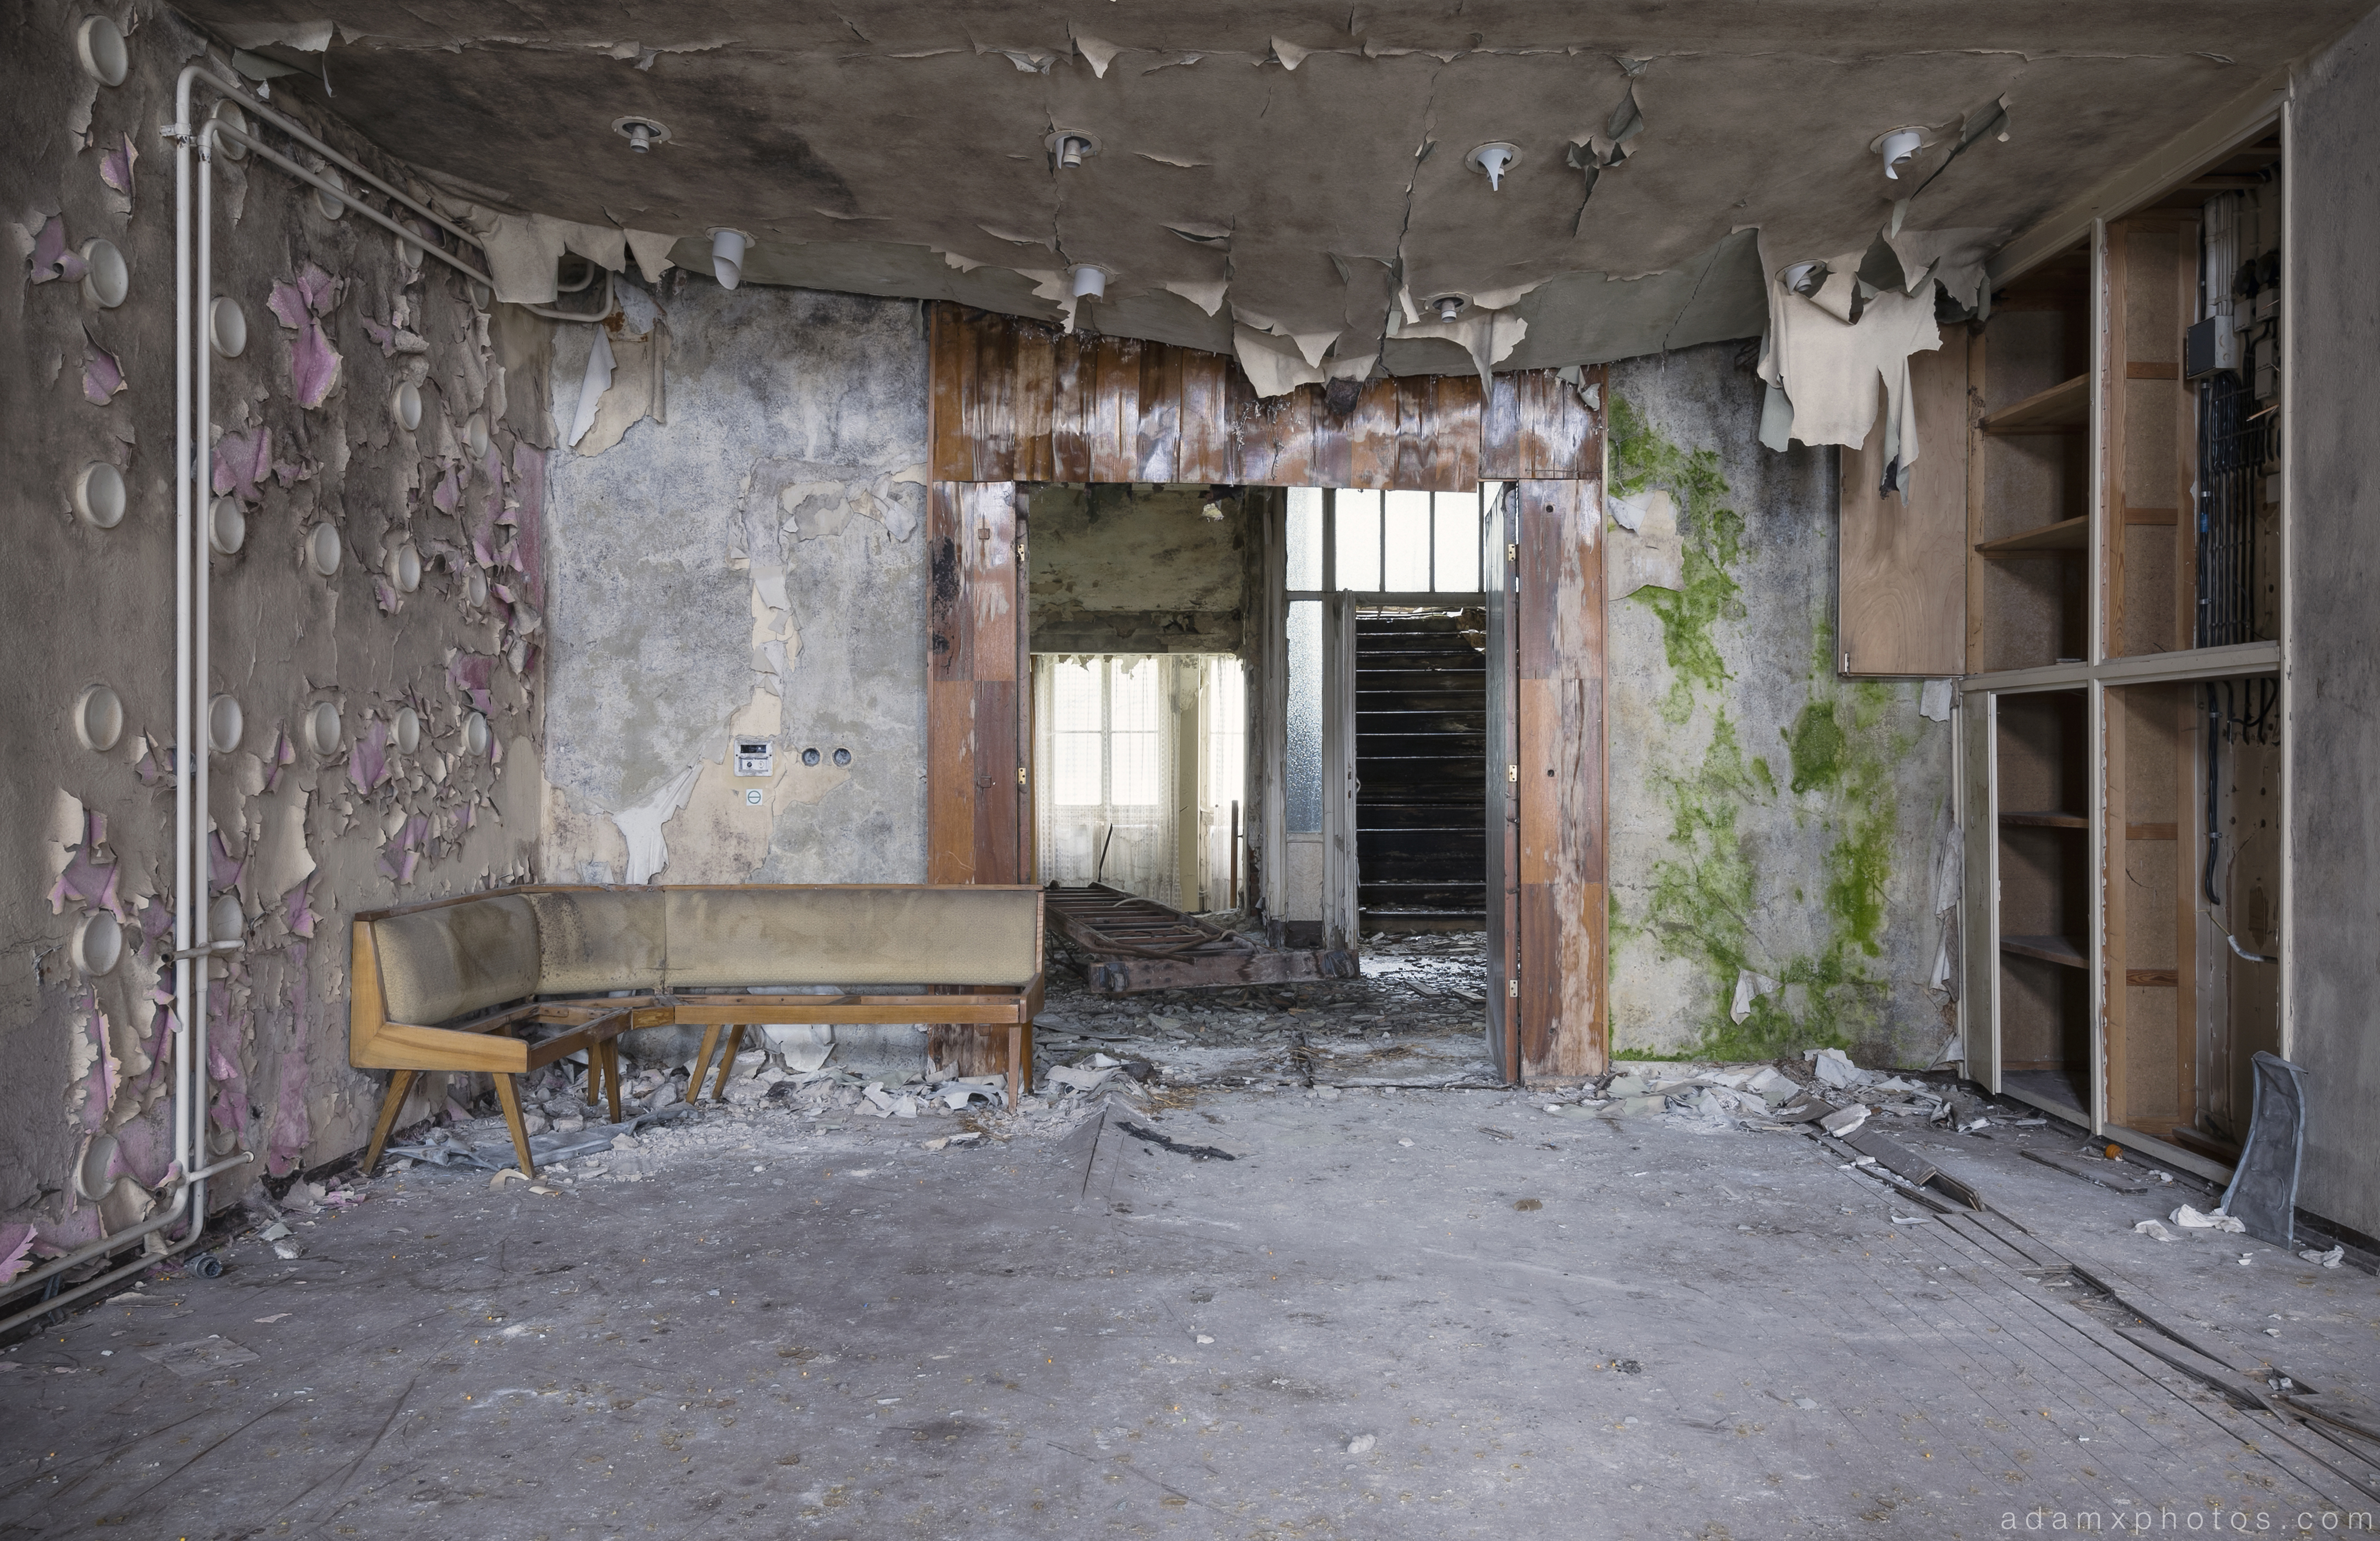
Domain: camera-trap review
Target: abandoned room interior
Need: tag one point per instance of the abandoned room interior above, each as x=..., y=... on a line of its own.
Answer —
x=1397, y=772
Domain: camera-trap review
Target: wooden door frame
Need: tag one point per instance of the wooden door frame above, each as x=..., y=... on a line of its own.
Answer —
x=1011, y=401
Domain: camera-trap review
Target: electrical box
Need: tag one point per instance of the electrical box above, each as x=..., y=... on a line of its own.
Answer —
x=2209, y=346
x=755, y=757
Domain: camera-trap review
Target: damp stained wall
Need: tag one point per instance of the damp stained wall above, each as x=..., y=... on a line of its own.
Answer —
x=1770, y=824
x=2332, y=661
x=301, y=837
x=1137, y=568
x=736, y=552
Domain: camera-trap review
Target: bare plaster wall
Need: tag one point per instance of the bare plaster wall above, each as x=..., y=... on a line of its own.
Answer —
x=1137, y=567
x=301, y=839
x=1771, y=824
x=2332, y=734
x=751, y=565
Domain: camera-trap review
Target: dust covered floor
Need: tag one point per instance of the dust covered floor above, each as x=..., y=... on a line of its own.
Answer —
x=1409, y=1312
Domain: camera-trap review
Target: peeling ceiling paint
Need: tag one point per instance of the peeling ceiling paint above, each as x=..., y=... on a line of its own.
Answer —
x=1311, y=164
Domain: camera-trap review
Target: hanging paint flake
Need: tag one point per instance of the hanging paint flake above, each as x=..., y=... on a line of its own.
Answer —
x=471, y=672
x=87, y=878
x=527, y=517
x=299, y=903
x=230, y=1110
x=16, y=1251
x=116, y=169
x=368, y=763
x=103, y=377
x=53, y=257
x=313, y=362
x=402, y=853
x=243, y=460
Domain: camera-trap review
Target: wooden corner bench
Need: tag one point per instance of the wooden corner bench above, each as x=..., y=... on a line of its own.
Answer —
x=509, y=980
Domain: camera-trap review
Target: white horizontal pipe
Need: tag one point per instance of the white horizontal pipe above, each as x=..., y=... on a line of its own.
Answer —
x=173, y=1212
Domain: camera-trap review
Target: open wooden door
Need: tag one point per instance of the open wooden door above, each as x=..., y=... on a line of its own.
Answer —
x=1342, y=919
x=1499, y=577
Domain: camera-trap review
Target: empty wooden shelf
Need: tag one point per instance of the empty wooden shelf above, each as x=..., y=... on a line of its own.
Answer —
x=2066, y=538
x=2065, y=408
x=2057, y=950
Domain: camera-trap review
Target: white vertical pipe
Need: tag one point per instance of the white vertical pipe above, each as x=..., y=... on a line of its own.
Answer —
x=187, y=1143
x=202, y=562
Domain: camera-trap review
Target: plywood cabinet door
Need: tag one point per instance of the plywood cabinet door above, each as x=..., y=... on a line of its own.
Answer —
x=1901, y=580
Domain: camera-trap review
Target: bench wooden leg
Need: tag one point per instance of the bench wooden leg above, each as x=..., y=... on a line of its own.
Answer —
x=610, y=1050
x=728, y=1063
x=701, y=1063
x=594, y=1076
x=399, y=1083
x=509, y=1095
x=1020, y=1062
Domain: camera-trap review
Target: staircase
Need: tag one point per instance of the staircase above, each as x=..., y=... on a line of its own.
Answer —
x=1421, y=727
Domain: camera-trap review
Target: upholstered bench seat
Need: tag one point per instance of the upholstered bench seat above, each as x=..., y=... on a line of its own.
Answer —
x=514, y=978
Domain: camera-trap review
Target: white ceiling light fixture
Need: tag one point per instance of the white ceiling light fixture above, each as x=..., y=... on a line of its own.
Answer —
x=642, y=133
x=1089, y=282
x=727, y=248
x=1449, y=307
x=1070, y=147
x=1896, y=148
x=1493, y=160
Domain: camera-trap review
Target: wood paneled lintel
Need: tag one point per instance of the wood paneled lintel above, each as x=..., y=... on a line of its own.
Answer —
x=1015, y=400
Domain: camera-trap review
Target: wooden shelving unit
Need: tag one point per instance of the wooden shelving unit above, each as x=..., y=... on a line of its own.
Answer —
x=2120, y=830
x=2029, y=471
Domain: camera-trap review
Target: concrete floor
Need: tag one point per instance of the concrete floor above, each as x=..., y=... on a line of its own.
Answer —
x=1392, y=1312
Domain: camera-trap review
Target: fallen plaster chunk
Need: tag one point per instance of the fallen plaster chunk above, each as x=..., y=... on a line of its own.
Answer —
x=1834, y=1068
x=1934, y=702
x=2190, y=1220
x=2154, y=1231
x=2330, y=1260
x=803, y=1046
x=1842, y=1121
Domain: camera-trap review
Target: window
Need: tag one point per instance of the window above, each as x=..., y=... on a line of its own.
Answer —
x=1399, y=545
x=1105, y=805
x=1104, y=731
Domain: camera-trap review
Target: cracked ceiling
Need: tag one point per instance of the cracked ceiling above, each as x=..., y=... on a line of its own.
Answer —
x=1298, y=171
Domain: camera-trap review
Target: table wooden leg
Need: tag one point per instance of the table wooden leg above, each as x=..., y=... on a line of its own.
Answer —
x=399, y=1083
x=701, y=1063
x=610, y=1049
x=509, y=1095
x=735, y=1046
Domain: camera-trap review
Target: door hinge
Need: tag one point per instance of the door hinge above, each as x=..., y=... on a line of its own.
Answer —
x=1511, y=550
x=1512, y=772
x=1847, y=660
x=1512, y=987
x=1020, y=775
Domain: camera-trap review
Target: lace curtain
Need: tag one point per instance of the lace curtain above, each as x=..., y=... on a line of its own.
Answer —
x=1104, y=801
